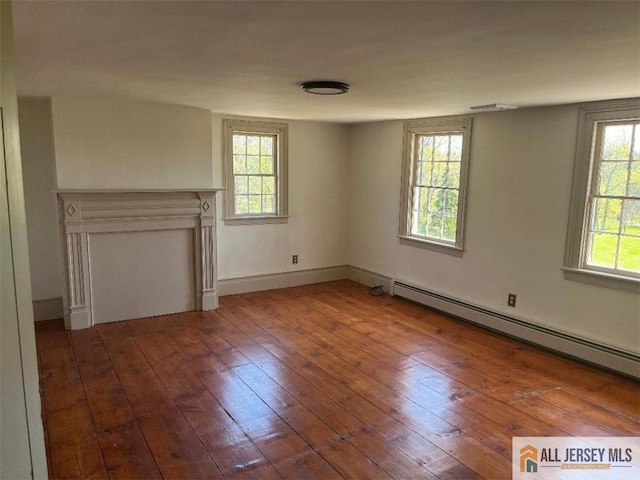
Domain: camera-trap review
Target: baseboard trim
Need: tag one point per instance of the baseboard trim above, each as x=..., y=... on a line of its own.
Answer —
x=583, y=349
x=370, y=279
x=50, y=309
x=564, y=343
x=272, y=281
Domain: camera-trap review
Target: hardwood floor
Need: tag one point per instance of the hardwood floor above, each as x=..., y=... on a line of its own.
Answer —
x=321, y=381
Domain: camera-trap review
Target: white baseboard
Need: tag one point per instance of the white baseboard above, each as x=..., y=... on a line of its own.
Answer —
x=272, y=281
x=50, y=309
x=570, y=345
x=370, y=279
x=565, y=343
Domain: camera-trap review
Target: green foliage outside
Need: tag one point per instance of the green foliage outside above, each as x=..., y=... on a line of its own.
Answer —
x=603, y=250
x=435, y=195
x=615, y=222
x=254, y=174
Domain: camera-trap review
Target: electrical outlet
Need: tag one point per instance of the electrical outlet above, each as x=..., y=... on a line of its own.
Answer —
x=512, y=300
x=294, y=259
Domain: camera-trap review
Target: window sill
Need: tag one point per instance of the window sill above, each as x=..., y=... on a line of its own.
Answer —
x=255, y=220
x=433, y=246
x=601, y=279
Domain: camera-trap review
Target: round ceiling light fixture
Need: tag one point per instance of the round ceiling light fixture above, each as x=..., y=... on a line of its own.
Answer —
x=325, y=87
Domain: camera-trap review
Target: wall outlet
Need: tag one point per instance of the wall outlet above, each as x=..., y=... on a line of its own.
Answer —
x=294, y=259
x=512, y=300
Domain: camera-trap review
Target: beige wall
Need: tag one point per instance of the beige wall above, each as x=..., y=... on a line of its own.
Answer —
x=103, y=144
x=122, y=144
x=517, y=211
x=318, y=189
x=22, y=451
x=39, y=174
x=345, y=196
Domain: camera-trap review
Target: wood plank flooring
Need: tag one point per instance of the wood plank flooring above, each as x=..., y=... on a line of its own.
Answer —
x=312, y=382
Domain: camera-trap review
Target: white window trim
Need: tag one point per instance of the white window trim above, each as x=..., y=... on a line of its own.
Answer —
x=430, y=126
x=281, y=130
x=575, y=268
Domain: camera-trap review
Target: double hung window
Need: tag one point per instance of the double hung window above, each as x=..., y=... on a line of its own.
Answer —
x=256, y=171
x=435, y=166
x=604, y=231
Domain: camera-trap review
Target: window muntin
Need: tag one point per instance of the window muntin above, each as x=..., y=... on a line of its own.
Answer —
x=255, y=156
x=254, y=174
x=435, y=165
x=612, y=242
x=436, y=186
x=604, y=197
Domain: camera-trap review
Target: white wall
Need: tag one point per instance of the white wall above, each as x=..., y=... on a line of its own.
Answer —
x=517, y=211
x=22, y=449
x=318, y=193
x=105, y=144
x=344, y=203
x=39, y=175
x=124, y=144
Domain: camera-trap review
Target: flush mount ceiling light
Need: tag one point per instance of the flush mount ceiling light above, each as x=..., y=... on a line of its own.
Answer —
x=325, y=87
x=493, y=107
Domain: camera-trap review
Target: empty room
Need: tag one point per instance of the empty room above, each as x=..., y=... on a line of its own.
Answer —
x=320, y=239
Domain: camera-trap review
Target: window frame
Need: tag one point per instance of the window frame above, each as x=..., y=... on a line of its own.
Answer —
x=256, y=127
x=591, y=117
x=432, y=126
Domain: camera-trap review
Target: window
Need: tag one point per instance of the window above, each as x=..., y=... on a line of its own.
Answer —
x=434, y=183
x=603, y=243
x=255, y=156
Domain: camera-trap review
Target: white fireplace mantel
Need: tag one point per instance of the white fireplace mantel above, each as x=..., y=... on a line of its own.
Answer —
x=147, y=239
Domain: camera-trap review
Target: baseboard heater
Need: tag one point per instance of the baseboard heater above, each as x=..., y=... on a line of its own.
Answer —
x=566, y=344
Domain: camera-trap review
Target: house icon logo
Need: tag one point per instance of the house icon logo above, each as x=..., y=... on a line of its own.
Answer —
x=529, y=459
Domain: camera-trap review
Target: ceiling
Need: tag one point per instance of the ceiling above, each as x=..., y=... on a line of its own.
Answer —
x=403, y=59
